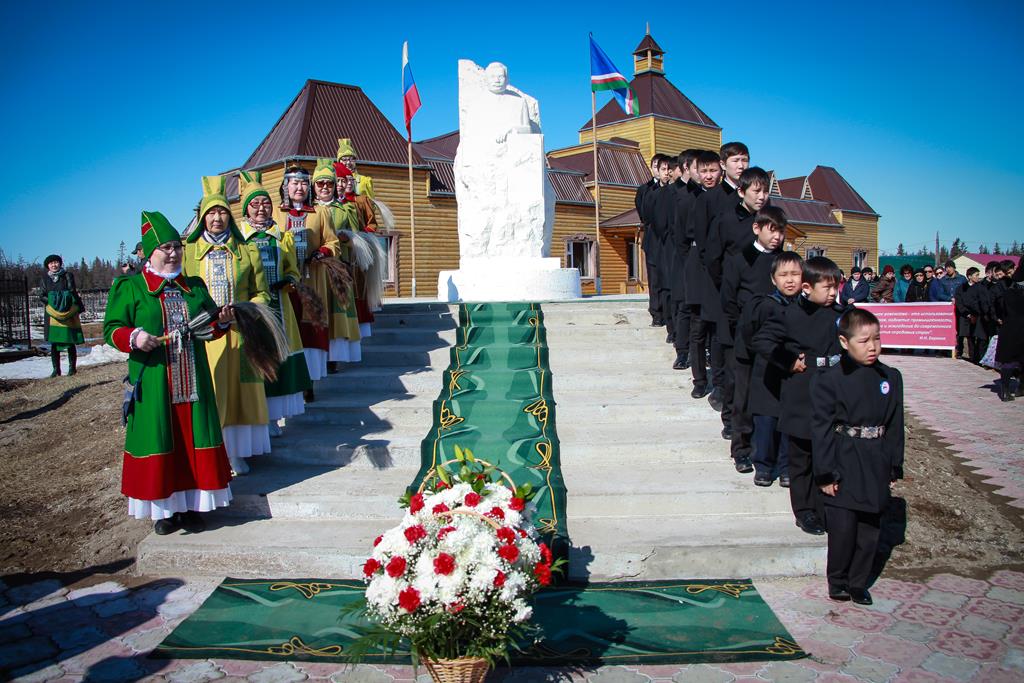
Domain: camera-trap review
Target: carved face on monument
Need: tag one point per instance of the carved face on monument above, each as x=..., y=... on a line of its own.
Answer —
x=497, y=77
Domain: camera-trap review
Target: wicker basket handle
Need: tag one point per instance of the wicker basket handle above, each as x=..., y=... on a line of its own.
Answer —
x=468, y=513
x=433, y=470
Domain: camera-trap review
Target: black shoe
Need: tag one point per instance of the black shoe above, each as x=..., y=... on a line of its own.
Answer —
x=784, y=481
x=861, y=596
x=760, y=479
x=333, y=367
x=839, y=594
x=715, y=399
x=810, y=524
x=681, y=363
x=167, y=526
x=308, y=396
x=657, y=323
x=192, y=522
x=670, y=338
x=744, y=466
x=1005, y=395
x=699, y=392
x=727, y=432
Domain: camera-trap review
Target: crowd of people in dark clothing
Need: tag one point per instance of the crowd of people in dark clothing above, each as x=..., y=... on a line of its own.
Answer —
x=776, y=345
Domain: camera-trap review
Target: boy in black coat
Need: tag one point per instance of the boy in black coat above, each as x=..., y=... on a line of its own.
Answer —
x=802, y=341
x=709, y=174
x=734, y=158
x=747, y=273
x=964, y=322
x=663, y=212
x=770, y=449
x=681, y=242
x=857, y=436
x=642, y=204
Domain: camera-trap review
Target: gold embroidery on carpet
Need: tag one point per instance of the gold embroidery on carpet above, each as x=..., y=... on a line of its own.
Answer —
x=784, y=647
x=308, y=590
x=730, y=589
x=454, y=385
x=539, y=409
x=448, y=418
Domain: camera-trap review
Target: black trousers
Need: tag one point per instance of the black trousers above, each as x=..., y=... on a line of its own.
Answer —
x=979, y=345
x=654, y=294
x=667, y=308
x=698, y=348
x=852, y=543
x=722, y=360
x=681, y=324
x=803, y=494
x=742, y=420
x=716, y=357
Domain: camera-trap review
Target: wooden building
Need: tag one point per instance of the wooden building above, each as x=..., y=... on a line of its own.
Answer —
x=828, y=215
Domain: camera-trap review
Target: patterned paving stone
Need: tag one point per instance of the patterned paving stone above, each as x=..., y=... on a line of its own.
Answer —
x=901, y=591
x=990, y=673
x=826, y=653
x=354, y=674
x=1014, y=659
x=94, y=595
x=904, y=653
x=197, y=672
x=996, y=609
x=1008, y=579
x=78, y=638
x=862, y=619
x=21, y=653
x=980, y=626
x=10, y=633
x=966, y=645
x=702, y=673
x=838, y=635
x=912, y=631
x=921, y=676
x=283, y=672
x=30, y=592
x=1007, y=595
x=33, y=674
x=944, y=599
x=112, y=607
x=617, y=675
x=928, y=615
x=870, y=669
x=956, y=668
x=788, y=672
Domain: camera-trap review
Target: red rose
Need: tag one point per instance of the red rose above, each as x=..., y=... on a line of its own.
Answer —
x=496, y=513
x=439, y=508
x=499, y=579
x=472, y=499
x=545, y=553
x=415, y=533
x=506, y=535
x=377, y=541
x=517, y=504
x=409, y=599
x=416, y=503
x=444, y=531
x=509, y=552
x=543, y=573
x=396, y=567
x=371, y=567
x=456, y=607
x=444, y=564
x=480, y=477
x=441, y=486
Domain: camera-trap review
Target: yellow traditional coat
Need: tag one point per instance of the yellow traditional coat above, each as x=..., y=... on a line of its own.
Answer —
x=232, y=272
x=344, y=319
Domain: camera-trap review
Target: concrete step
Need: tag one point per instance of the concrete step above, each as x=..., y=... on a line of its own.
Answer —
x=428, y=338
x=660, y=396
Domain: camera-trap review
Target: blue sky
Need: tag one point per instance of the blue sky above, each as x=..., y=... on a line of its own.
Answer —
x=115, y=107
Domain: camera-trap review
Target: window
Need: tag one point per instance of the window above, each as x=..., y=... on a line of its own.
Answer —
x=632, y=259
x=815, y=251
x=579, y=254
x=860, y=258
x=389, y=243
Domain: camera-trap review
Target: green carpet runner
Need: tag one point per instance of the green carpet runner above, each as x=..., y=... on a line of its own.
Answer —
x=496, y=400
x=654, y=622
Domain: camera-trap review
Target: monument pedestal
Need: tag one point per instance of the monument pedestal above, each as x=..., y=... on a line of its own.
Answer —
x=509, y=279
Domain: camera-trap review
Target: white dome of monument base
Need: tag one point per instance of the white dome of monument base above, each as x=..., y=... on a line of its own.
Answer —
x=509, y=278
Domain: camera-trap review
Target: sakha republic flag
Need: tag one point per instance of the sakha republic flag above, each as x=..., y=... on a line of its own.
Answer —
x=604, y=76
x=410, y=94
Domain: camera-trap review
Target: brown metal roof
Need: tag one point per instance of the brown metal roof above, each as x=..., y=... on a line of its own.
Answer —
x=658, y=97
x=805, y=211
x=442, y=176
x=569, y=187
x=441, y=146
x=321, y=113
x=619, y=164
x=626, y=219
x=648, y=43
x=828, y=186
x=792, y=187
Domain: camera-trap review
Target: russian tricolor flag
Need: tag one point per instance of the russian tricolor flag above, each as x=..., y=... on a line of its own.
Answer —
x=410, y=94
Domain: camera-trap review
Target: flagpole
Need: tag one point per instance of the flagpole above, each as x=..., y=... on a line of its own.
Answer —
x=597, y=195
x=412, y=214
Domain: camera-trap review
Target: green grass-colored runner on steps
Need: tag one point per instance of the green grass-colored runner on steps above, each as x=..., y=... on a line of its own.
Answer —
x=657, y=622
x=497, y=400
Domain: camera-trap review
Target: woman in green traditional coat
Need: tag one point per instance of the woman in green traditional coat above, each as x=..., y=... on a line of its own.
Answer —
x=343, y=327
x=232, y=270
x=61, y=325
x=281, y=270
x=174, y=464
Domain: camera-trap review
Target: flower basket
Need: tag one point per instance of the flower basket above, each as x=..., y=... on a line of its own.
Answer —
x=453, y=579
x=464, y=670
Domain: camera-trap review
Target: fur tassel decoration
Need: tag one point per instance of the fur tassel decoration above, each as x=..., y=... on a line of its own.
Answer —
x=339, y=277
x=361, y=249
x=313, y=310
x=264, y=340
x=387, y=218
x=375, y=275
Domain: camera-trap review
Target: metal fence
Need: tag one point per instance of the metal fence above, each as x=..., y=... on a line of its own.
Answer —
x=94, y=300
x=14, y=311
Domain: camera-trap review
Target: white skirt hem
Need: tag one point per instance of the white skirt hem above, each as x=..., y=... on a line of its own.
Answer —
x=245, y=441
x=192, y=500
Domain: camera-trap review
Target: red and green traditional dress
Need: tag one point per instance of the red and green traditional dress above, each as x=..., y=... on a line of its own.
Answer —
x=312, y=232
x=345, y=319
x=174, y=457
x=280, y=268
x=233, y=272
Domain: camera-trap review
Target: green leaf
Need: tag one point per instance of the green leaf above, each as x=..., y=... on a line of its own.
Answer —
x=442, y=474
x=469, y=456
x=460, y=455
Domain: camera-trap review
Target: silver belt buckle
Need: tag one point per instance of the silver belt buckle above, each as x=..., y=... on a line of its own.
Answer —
x=833, y=359
x=821, y=362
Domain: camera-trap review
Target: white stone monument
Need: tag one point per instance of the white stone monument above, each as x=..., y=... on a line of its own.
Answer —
x=506, y=205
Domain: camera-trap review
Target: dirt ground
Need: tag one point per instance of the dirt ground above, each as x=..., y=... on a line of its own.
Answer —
x=62, y=510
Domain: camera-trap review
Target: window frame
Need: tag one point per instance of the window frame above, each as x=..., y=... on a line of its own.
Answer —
x=591, y=261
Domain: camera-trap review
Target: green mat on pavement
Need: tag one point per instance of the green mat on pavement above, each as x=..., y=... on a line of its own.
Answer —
x=655, y=622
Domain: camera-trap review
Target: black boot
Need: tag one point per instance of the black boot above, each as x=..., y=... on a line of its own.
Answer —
x=333, y=367
x=308, y=395
x=682, y=362
x=55, y=359
x=1005, y=395
x=72, y=360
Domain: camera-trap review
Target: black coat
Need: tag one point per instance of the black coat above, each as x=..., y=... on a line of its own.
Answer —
x=851, y=394
x=638, y=201
x=730, y=231
x=664, y=216
x=652, y=239
x=709, y=205
x=806, y=328
x=746, y=274
x=859, y=295
x=917, y=291
x=1010, y=348
x=682, y=240
x=695, y=276
x=765, y=377
x=964, y=324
